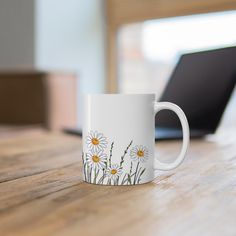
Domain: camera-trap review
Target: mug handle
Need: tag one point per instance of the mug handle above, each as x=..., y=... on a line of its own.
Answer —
x=185, y=127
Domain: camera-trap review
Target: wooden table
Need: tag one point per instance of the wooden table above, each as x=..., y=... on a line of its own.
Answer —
x=42, y=192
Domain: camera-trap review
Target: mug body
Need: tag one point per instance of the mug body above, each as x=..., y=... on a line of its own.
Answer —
x=118, y=138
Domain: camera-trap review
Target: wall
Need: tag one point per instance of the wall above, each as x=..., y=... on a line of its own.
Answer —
x=17, y=34
x=55, y=35
x=70, y=36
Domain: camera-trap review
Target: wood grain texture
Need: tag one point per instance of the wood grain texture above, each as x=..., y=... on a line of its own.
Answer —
x=42, y=192
x=129, y=11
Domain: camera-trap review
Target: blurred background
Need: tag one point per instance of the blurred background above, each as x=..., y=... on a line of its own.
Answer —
x=52, y=52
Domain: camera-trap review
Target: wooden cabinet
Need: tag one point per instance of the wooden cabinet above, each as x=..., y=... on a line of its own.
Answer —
x=37, y=97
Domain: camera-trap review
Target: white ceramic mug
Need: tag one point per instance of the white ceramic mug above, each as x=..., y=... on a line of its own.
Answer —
x=118, y=138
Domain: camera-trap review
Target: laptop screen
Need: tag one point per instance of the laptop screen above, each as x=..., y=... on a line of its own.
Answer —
x=201, y=85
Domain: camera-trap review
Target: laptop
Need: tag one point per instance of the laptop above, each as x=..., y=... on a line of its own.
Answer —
x=201, y=84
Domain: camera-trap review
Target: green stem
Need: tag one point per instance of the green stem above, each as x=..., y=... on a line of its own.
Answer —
x=90, y=174
x=139, y=170
x=96, y=172
x=131, y=167
x=112, y=145
x=124, y=179
x=129, y=179
x=130, y=173
x=141, y=175
x=103, y=176
x=94, y=178
x=135, y=176
x=125, y=152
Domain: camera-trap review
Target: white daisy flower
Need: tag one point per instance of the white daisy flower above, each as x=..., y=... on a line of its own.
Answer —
x=139, y=153
x=96, y=159
x=96, y=141
x=114, y=171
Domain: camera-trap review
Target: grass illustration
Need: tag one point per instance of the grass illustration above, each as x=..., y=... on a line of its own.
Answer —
x=103, y=171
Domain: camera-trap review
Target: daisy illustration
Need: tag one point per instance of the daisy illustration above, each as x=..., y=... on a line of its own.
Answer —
x=96, y=159
x=114, y=171
x=96, y=141
x=139, y=153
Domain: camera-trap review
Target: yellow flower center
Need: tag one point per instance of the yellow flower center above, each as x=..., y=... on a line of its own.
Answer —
x=140, y=153
x=95, y=141
x=113, y=171
x=95, y=158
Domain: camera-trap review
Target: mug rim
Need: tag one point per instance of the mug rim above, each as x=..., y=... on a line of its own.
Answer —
x=120, y=94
